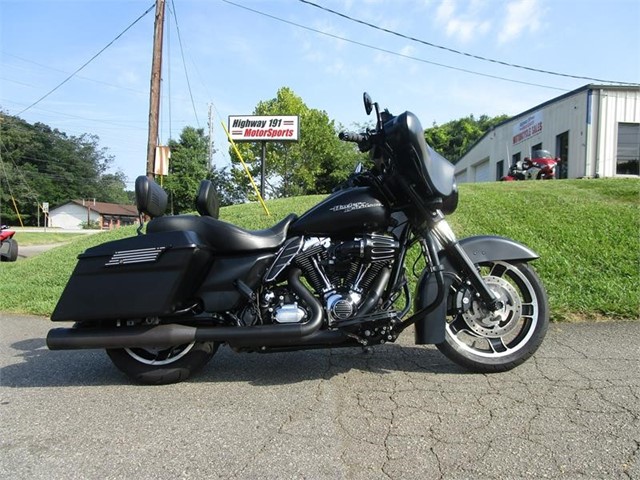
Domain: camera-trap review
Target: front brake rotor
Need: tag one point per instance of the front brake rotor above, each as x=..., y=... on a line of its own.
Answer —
x=484, y=322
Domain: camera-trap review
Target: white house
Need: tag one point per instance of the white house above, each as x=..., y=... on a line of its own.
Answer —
x=74, y=214
x=595, y=130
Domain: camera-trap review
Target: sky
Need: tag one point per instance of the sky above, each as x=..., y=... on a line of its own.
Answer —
x=233, y=54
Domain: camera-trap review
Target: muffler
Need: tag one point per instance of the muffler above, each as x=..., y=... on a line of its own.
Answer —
x=175, y=334
x=124, y=337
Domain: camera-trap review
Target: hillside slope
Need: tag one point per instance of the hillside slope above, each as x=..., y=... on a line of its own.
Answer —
x=586, y=232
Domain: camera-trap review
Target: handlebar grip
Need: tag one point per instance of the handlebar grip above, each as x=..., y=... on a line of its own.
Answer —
x=351, y=137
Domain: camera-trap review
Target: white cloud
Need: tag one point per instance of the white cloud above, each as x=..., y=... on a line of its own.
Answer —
x=464, y=25
x=445, y=11
x=408, y=50
x=521, y=16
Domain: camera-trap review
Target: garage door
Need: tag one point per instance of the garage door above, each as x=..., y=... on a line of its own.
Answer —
x=482, y=172
x=461, y=177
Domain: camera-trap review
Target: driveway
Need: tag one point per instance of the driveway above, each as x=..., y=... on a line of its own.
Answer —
x=28, y=251
x=402, y=411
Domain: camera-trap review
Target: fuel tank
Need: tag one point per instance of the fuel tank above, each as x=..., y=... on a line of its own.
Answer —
x=346, y=212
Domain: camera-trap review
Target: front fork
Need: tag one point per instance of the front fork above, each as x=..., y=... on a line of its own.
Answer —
x=445, y=236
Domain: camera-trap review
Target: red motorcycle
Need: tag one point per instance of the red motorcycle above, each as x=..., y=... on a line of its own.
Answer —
x=541, y=167
x=8, y=245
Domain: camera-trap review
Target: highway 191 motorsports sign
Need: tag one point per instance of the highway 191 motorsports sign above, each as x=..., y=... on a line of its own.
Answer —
x=255, y=128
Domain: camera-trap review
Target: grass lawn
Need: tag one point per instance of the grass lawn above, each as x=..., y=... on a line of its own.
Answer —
x=587, y=233
x=44, y=238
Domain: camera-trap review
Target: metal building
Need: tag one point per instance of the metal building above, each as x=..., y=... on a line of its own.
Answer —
x=595, y=130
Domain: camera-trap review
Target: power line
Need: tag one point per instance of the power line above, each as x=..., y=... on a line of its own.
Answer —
x=168, y=66
x=175, y=18
x=26, y=60
x=102, y=121
x=379, y=49
x=88, y=62
x=459, y=52
x=30, y=191
x=205, y=87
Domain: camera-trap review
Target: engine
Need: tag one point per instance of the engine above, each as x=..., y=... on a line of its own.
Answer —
x=345, y=275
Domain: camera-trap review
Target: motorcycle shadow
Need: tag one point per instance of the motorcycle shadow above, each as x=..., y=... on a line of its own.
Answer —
x=299, y=366
x=37, y=366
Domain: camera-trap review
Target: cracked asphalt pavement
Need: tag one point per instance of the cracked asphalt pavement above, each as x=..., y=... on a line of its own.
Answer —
x=402, y=411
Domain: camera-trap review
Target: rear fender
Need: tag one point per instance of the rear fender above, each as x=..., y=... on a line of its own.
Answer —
x=430, y=328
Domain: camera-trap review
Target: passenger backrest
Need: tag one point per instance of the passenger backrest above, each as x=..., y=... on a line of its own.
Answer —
x=207, y=202
x=150, y=197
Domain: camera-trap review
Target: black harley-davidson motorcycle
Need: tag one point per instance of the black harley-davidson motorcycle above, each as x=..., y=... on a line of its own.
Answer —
x=161, y=303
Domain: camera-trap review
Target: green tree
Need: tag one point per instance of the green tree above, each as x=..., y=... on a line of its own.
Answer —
x=453, y=139
x=42, y=164
x=314, y=164
x=112, y=188
x=230, y=188
x=188, y=166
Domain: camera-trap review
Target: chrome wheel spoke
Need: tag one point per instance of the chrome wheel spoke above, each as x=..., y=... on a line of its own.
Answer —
x=498, y=270
x=159, y=357
x=528, y=309
x=459, y=325
x=497, y=345
x=501, y=333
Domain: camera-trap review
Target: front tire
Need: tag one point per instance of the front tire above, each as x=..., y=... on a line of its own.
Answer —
x=161, y=366
x=484, y=342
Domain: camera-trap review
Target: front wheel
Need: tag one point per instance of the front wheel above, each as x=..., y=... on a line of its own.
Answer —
x=160, y=366
x=485, y=341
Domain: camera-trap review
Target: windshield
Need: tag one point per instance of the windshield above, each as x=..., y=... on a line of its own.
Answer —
x=541, y=154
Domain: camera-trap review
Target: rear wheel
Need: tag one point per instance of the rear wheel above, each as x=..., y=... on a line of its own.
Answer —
x=484, y=341
x=12, y=252
x=160, y=366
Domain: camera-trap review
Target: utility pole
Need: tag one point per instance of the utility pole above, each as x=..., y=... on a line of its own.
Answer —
x=263, y=171
x=154, y=98
x=210, y=139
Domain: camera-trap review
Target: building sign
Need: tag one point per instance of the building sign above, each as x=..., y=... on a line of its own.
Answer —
x=254, y=128
x=527, y=128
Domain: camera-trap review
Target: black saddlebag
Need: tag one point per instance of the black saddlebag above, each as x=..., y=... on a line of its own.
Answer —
x=144, y=276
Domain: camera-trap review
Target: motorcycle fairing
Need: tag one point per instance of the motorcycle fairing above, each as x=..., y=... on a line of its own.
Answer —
x=430, y=329
x=416, y=159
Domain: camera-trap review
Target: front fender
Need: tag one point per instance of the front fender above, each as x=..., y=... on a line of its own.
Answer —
x=488, y=248
x=430, y=328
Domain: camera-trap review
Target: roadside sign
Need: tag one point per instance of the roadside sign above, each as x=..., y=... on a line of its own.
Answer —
x=45, y=207
x=256, y=128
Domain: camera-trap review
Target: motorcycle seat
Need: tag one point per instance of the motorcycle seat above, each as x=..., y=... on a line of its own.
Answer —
x=222, y=236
